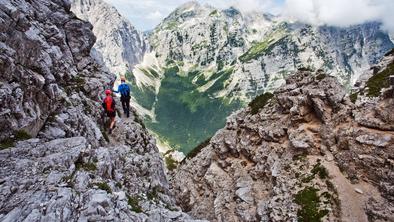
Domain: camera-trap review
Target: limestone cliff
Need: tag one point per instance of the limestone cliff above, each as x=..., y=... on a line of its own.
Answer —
x=119, y=45
x=56, y=161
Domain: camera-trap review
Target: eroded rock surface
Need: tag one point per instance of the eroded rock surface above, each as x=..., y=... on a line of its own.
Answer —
x=71, y=170
x=269, y=166
x=72, y=180
x=45, y=63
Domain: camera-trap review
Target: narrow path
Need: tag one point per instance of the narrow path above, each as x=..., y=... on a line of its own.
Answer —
x=116, y=137
x=352, y=203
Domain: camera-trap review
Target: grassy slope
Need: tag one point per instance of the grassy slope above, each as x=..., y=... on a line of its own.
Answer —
x=380, y=81
x=260, y=48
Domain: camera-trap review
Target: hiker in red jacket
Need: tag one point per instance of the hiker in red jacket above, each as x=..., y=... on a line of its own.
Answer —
x=110, y=109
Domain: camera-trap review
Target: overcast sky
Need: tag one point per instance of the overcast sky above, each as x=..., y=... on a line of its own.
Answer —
x=146, y=14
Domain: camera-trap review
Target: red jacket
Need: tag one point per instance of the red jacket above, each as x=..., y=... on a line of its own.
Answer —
x=109, y=104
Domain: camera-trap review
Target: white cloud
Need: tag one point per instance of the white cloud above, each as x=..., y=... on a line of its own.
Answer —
x=341, y=12
x=272, y=6
x=146, y=14
x=388, y=15
x=156, y=15
x=257, y=5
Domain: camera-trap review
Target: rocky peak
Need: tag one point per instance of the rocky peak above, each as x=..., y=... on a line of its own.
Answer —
x=232, y=12
x=191, y=5
x=187, y=11
x=251, y=43
x=91, y=5
x=119, y=45
x=231, y=60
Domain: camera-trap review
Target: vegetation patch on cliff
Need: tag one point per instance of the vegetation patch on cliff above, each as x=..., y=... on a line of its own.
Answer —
x=353, y=97
x=7, y=143
x=260, y=48
x=170, y=163
x=321, y=77
x=309, y=202
x=90, y=166
x=259, y=102
x=380, y=81
x=134, y=203
x=18, y=136
x=153, y=194
x=214, y=13
x=319, y=170
x=104, y=186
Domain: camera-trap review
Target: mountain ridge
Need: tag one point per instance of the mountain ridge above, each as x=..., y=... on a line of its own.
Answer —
x=230, y=58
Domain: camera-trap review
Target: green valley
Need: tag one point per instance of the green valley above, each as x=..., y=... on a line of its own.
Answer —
x=187, y=111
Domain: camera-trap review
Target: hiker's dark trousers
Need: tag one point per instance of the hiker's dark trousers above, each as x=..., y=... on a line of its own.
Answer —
x=126, y=105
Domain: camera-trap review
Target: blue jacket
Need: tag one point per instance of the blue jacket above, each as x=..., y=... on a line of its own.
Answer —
x=124, y=90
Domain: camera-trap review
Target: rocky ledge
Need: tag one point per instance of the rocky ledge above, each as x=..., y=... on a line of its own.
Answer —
x=70, y=180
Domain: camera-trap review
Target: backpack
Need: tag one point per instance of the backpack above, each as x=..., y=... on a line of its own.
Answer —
x=109, y=104
x=124, y=90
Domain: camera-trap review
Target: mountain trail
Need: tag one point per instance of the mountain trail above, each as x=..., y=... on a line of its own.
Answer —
x=352, y=203
x=122, y=124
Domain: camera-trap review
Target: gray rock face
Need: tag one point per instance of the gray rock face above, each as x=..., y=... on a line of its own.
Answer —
x=259, y=166
x=257, y=51
x=70, y=180
x=44, y=58
x=119, y=45
x=72, y=170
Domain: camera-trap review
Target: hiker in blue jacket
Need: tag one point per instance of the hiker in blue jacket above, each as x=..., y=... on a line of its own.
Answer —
x=124, y=90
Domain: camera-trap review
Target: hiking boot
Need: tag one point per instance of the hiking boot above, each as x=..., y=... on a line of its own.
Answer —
x=110, y=131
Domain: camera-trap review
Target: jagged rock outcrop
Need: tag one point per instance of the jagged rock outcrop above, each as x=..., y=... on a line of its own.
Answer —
x=51, y=90
x=44, y=58
x=119, y=45
x=72, y=180
x=309, y=154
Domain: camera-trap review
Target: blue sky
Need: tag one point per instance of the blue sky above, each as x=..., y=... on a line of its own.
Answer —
x=146, y=14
